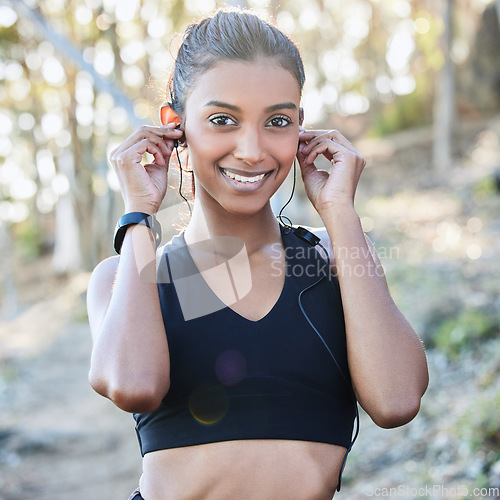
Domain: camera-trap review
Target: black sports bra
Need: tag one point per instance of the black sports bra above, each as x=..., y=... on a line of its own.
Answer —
x=233, y=378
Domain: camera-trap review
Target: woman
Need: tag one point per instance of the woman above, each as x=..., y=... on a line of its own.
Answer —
x=244, y=382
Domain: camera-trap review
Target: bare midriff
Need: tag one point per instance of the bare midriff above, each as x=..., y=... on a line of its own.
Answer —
x=256, y=469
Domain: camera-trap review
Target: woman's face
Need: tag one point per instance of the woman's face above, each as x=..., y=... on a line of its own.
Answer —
x=241, y=125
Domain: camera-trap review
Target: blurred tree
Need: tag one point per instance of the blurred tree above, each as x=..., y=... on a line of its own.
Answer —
x=444, y=103
x=73, y=239
x=480, y=73
x=9, y=294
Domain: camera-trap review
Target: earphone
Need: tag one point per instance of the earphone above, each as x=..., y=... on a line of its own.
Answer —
x=168, y=115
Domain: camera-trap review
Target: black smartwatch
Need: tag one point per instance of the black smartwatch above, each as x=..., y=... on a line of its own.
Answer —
x=131, y=219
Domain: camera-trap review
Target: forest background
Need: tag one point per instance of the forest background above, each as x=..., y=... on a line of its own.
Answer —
x=415, y=85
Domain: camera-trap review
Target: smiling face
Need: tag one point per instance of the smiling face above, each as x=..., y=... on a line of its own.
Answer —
x=241, y=125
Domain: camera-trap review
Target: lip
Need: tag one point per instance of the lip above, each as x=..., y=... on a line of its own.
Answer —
x=244, y=186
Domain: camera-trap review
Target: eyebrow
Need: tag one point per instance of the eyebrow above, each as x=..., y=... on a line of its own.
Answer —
x=269, y=109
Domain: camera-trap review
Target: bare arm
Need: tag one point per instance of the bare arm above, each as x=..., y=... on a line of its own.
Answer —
x=386, y=357
x=130, y=360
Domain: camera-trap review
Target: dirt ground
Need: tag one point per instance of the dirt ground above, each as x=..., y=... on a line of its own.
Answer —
x=58, y=439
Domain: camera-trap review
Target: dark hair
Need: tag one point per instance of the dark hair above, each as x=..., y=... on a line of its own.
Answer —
x=228, y=35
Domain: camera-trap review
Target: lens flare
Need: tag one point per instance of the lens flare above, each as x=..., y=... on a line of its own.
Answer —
x=230, y=367
x=209, y=404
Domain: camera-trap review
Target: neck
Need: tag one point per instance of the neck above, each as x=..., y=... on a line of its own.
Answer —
x=256, y=229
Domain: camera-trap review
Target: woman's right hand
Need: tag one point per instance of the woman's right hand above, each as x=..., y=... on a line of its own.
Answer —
x=144, y=186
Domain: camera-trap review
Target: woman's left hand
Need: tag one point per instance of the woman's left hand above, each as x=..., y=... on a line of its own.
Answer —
x=337, y=188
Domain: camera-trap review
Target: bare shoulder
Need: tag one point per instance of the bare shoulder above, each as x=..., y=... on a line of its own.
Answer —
x=99, y=291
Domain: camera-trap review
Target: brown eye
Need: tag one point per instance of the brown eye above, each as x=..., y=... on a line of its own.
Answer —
x=222, y=120
x=279, y=121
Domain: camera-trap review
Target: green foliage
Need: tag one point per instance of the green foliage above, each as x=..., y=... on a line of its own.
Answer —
x=412, y=110
x=479, y=425
x=457, y=333
x=28, y=239
x=10, y=371
x=484, y=188
x=7, y=36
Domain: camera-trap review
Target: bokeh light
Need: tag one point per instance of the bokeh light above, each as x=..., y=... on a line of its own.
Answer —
x=208, y=405
x=8, y=16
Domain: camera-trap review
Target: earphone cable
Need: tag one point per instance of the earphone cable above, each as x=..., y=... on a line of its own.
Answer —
x=353, y=440
x=180, y=183
x=280, y=216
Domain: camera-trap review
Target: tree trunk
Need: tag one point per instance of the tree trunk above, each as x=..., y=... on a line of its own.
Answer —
x=444, y=101
x=10, y=302
x=67, y=249
x=497, y=3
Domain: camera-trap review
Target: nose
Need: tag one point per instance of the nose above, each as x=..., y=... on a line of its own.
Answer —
x=249, y=148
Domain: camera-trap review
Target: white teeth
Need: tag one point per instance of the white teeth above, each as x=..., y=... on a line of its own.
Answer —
x=243, y=179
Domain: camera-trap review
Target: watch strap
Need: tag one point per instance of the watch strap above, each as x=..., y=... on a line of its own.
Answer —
x=131, y=219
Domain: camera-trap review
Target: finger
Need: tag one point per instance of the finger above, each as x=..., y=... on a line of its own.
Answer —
x=310, y=138
x=161, y=144
x=333, y=135
x=163, y=138
x=157, y=154
x=161, y=130
x=133, y=155
x=307, y=168
x=308, y=135
x=144, y=138
x=312, y=176
x=168, y=131
x=159, y=135
x=155, y=171
x=328, y=148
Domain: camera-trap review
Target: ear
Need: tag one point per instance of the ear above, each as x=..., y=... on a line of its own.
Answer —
x=301, y=116
x=168, y=115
